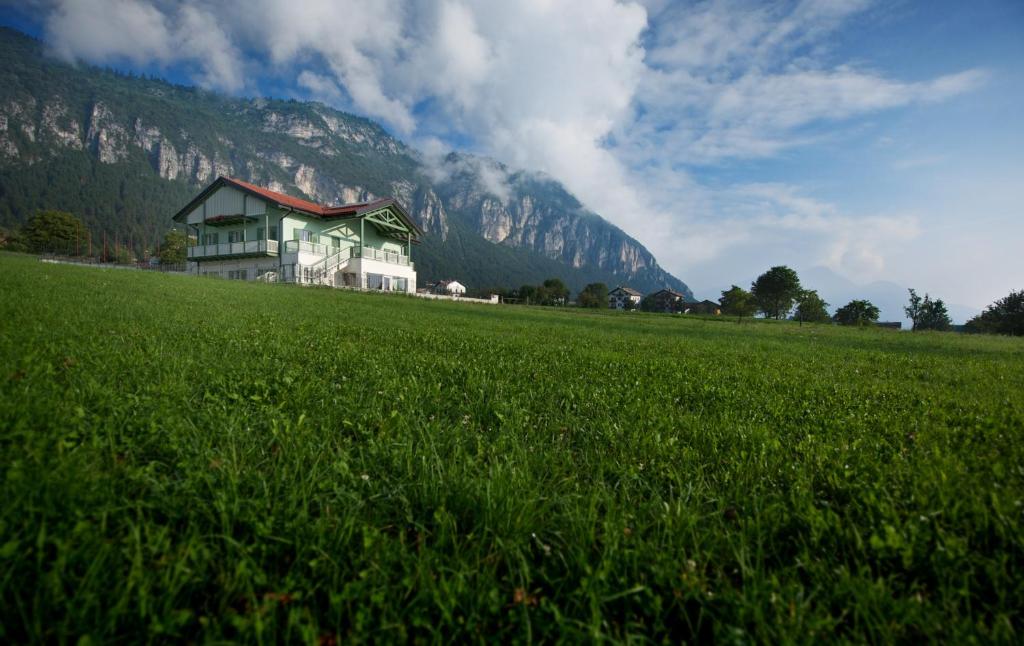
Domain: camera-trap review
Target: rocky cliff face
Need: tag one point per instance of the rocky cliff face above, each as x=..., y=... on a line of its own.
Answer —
x=188, y=137
x=531, y=210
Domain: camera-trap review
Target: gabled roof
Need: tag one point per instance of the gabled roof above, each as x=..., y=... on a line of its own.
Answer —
x=627, y=290
x=299, y=204
x=669, y=292
x=704, y=302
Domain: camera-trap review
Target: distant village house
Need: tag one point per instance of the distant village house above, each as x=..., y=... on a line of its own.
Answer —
x=667, y=300
x=622, y=298
x=702, y=307
x=449, y=288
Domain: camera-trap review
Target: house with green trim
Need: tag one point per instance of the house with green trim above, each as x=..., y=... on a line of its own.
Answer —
x=242, y=231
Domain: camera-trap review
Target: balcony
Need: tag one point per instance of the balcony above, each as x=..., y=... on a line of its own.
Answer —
x=233, y=250
x=295, y=246
x=391, y=257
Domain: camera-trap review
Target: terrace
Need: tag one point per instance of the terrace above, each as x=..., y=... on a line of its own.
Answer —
x=242, y=249
x=250, y=248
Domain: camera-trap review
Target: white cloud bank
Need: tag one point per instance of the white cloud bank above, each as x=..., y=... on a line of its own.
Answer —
x=616, y=99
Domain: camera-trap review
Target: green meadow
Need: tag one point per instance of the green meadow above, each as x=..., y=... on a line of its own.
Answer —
x=184, y=459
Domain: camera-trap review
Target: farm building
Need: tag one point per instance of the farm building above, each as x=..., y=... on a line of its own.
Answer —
x=702, y=307
x=667, y=300
x=624, y=297
x=242, y=231
x=449, y=287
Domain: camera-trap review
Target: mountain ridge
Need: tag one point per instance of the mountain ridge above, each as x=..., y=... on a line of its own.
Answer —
x=124, y=152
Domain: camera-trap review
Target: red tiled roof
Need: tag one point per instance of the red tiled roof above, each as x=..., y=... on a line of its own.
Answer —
x=311, y=207
x=280, y=198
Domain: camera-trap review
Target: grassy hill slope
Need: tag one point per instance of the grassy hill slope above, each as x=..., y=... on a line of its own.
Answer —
x=196, y=459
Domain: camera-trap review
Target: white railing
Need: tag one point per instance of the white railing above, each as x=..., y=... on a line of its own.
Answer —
x=293, y=246
x=392, y=257
x=248, y=247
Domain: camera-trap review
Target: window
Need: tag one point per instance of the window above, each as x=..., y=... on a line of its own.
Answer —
x=238, y=274
x=374, y=281
x=235, y=236
x=259, y=233
x=210, y=238
x=385, y=283
x=273, y=233
x=335, y=242
x=400, y=285
x=304, y=235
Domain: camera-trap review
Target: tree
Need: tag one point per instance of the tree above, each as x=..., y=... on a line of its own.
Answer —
x=593, y=295
x=55, y=232
x=123, y=256
x=172, y=251
x=775, y=291
x=649, y=304
x=856, y=313
x=811, y=308
x=11, y=240
x=738, y=302
x=1005, y=316
x=528, y=294
x=927, y=314
x=555, y=292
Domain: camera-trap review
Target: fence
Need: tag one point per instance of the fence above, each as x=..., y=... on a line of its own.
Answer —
x=177, y=268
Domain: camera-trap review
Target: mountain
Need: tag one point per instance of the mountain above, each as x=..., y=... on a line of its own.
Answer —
x=125, y=152
x=889, y=298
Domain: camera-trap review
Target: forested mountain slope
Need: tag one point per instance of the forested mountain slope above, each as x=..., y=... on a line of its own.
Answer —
x=124, y=153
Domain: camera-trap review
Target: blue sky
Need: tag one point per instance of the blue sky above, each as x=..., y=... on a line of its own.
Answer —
x=879, y=140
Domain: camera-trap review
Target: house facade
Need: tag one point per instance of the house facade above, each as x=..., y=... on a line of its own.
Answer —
x=622, y=298
x=702, y=307
x=667, y=300
x=241, y=231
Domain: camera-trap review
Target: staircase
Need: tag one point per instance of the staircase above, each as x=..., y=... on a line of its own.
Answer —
x=322, y=272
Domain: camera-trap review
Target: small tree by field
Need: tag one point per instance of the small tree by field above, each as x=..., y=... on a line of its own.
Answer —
x=555, y=292
x=927, y=314
x=1005, y=316
x=857, y=312
x=737, y=302
x=593, y=295
x=53, y=231
x=172, y=251
x=811, y=308
x=12, y=240
x=648, y=304
x=775, y=291
x=123, y=256
x=528, y=294
x=552, y=292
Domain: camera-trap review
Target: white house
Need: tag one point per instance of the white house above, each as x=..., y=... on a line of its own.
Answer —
x=242, y=231
x=624, y=297
x=450, y=287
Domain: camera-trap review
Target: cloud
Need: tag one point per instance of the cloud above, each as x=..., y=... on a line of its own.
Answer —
x=627, y=103
x=109, y=31
x=320, y=87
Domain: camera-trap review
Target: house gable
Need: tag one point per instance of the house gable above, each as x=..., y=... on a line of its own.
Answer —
x=220, y=203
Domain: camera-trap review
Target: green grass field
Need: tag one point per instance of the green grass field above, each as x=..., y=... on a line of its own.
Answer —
x=188, y=459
